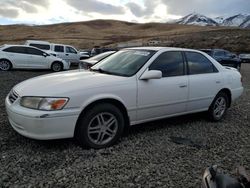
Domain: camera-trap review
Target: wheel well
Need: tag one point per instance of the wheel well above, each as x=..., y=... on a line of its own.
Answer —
x=8, y=61
x=229, y=95
x=115, y=102
x=57, y=62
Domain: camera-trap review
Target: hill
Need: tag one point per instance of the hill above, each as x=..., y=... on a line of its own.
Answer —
x=110, y=33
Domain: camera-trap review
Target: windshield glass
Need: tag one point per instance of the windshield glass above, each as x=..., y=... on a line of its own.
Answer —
x=124, y=62
x=101, y=56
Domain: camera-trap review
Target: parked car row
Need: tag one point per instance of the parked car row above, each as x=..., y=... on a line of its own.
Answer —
x=27, y=57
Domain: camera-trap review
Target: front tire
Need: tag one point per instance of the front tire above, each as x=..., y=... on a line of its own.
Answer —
x=219, y=107
x=56, y=67
x=100, y=127
x=5, y=65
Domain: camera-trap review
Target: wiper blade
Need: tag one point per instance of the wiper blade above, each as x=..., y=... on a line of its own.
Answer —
x=100, y=70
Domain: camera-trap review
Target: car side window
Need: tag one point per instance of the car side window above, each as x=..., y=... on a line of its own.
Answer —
x=199, y=64
x=16, y=49
x=33, y=51
x=169, y=63
x=59, y=48
x=41, y=46
x=70, y=50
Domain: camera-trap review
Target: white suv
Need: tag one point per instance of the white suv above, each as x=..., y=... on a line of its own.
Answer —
x=20, y=56
x=65, y=52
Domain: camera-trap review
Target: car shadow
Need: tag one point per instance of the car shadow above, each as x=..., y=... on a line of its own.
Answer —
x=180, y=121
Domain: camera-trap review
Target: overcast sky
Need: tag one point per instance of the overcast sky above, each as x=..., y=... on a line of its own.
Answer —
x=56, y=11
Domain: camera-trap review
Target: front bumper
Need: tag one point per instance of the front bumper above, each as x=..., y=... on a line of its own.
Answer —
x=41, y=125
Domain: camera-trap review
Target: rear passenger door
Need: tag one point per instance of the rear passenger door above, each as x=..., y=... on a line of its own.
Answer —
x=204, y=81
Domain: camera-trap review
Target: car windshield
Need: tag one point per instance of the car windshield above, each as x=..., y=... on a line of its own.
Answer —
x=124, y=63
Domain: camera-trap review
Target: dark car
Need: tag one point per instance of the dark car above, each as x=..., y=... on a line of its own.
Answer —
x=245, y=58
x=224, y=57
x=87, y=63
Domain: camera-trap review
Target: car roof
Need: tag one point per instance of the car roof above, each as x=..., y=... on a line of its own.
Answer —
x=163, y=49
x=37, y=41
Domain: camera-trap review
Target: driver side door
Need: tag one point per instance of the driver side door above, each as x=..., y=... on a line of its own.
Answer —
x=167, y=96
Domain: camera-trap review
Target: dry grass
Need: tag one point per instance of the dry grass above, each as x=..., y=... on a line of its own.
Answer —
x=110, y=32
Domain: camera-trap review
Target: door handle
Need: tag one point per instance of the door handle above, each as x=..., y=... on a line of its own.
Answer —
x=182, y=86
x=66, y=54
x=218, y=82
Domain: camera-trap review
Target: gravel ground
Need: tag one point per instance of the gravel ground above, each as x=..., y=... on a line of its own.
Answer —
x=146, y=157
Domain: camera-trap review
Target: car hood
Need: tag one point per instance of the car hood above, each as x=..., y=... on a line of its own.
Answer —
x=89, y=61
x=65, y=83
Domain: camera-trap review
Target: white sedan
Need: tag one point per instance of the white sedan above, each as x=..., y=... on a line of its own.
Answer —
x=132, y=86
x=26, y=57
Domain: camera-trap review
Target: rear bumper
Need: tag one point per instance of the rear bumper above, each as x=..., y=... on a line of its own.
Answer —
x=236, y=93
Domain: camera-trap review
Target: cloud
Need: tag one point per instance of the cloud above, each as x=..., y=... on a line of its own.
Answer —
x=207, y=7
x=147, y=10
x=10, y=8
x=8, y=13
x=96, y=7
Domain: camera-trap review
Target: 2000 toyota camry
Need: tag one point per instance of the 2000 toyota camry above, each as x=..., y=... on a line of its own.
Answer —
x=132, y=86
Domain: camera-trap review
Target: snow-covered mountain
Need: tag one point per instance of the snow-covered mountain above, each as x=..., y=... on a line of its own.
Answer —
x=239, y=20
x=236, y=20
x=197, y=19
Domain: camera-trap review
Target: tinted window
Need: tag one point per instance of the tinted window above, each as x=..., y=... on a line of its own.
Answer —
x=199, y=64
x=169, y=63
x=16, y=49
x=41, y=46
x=70, y=50
x=219, y=53
x=209, y=52
x=33, y=51
x=59, y=49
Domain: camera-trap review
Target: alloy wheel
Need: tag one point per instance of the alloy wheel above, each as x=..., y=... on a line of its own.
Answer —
x=102, y=128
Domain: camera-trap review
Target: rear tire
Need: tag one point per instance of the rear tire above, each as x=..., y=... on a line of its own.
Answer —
x=219, y=107
x=100, y=127
x=5, y=65
x=56, y=67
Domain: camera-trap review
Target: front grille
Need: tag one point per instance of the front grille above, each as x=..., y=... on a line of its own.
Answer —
x=13, y=96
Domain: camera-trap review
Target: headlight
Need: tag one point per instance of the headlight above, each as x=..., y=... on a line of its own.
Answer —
x=43, y=103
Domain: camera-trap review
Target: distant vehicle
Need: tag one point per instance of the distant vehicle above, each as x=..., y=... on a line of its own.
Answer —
x=224, y=57
x=245, y=58
x=65, y=52
x=27, y=57
x=132, y=86
x=84, y=55
x=87, y=63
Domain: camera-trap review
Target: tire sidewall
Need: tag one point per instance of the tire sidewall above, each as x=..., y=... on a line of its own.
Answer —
x=211, y=109
x=10, y=65
x=82, y=128
x=58, y=63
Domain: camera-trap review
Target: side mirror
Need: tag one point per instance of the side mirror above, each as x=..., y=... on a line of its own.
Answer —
x=45, y=54
x=151, y=74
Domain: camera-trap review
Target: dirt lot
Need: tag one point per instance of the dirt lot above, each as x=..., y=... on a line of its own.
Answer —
x=146, y=157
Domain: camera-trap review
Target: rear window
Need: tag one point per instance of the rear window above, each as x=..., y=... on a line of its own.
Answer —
x=16, y=49
x=41, y=46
